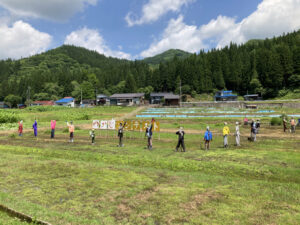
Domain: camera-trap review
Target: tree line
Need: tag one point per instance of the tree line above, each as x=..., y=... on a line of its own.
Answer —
x=269, y=67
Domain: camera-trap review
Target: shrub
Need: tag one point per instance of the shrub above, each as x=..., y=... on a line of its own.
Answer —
x=66, y=130
x=276, y=121
x=193, y=94
x=8, y=117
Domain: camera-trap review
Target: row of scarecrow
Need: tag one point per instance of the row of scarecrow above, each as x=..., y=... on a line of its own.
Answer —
x=133, y=125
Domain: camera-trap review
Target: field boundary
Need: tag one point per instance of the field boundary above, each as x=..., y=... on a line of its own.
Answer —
x=243, y=104
x=13, y=213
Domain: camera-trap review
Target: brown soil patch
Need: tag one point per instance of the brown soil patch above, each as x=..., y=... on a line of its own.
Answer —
x=199, y=200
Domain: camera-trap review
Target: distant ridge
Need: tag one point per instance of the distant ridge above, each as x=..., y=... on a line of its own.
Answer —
x=167, y=56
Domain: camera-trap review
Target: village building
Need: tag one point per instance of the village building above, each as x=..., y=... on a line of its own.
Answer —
x=168, y=99
x=103, y=99
x=88, y=103
x=252, y=97
x=127, y=99
x=42, y=103
x=66, y=101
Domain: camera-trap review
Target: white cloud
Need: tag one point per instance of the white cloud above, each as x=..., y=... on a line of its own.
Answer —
x=272, y=18
x=176, y=35
x=22, y=40
x=57, y=10
x=154, y=9
x=91, y=39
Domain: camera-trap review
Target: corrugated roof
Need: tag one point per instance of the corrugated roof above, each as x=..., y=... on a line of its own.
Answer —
x=127, y=95
x=252, y=95
x=172, y=96
x=102, y=96
x=160, y=94
x=44, y=102
x=65, y=100
x=165, y=95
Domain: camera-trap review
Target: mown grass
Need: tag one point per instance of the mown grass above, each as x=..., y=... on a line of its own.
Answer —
x=77, y=183
x=7, y=220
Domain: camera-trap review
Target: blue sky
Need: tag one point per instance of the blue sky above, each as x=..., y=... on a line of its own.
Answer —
x=135, y=29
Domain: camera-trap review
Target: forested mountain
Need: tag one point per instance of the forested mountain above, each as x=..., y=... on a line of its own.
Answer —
x=166, y=56
x=259, y=66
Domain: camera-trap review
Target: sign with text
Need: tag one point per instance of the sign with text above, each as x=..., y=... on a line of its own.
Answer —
x=96, y=124
x=136, y=125
x=118, y=124
x=156, y=126
x=111, y=124
x=128, y=125
x=145, y=124
x=103, y=125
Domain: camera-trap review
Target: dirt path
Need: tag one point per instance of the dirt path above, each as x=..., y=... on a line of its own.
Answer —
x=133, y=113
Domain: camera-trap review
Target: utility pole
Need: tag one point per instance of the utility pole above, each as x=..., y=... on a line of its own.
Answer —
x=28, y=95
x=96, y=96
x=180, y=93
x=80, y=96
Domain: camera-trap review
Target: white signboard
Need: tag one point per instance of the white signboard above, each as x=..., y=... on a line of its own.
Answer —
x=103, y=125
x=111, y=124
x=96, y=124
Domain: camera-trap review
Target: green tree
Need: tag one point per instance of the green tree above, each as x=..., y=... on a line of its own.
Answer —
x=87, y=90
x=41, y=97
x=12, y=100
x=294, y=81
x=130, y=85
x=186, y=89
x=256, y=87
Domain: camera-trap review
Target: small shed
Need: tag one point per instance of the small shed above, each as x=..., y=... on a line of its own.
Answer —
x=127, y=99
x=66, y=101
x=102, y=99
x=172, y=99
x=88, y=103
x=164, y=98
x=225, y=96
x=253, y=97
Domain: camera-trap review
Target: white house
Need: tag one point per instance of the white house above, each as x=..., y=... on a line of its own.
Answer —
x=66, y=101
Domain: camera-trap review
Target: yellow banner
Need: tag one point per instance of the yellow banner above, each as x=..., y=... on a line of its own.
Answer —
x=118, y=124
x=136, y=125
x=128, y=125
x=156, y=126
x=145, y=124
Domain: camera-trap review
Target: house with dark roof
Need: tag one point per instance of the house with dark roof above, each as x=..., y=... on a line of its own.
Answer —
x=66, y=101
x=102, y=99
x=167, y=99
x=127, y=99
x=252, y=97
x=88, y=103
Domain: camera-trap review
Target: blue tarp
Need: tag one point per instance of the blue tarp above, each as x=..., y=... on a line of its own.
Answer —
x=65, y=100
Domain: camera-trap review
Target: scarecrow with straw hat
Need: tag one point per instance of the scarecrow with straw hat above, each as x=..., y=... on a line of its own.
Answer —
x=226, y=132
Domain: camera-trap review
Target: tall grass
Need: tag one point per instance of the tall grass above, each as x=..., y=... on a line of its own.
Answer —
x=8, y=117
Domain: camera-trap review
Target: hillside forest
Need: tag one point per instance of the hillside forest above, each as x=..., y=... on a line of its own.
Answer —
x=270, y=67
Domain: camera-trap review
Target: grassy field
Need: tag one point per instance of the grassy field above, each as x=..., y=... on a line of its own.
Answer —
x=78, y=183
